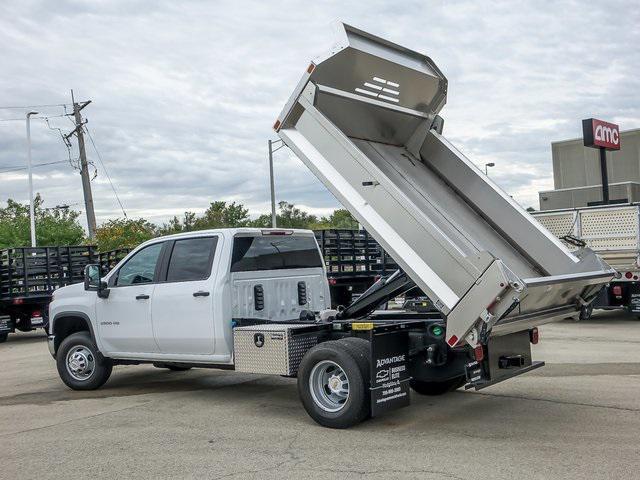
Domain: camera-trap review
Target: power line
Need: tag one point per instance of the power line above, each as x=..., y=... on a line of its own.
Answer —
x=16, y=168
x=64, y=105
x=105, y=170
x=41, y=118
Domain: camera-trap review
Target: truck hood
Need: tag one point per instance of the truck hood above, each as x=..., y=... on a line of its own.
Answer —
x=69, y=291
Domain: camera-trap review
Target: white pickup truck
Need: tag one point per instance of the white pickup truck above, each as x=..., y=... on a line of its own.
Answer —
x=365, y=119
x=173, y=299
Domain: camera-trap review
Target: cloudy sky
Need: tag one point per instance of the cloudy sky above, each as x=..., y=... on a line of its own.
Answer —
x=184, y=93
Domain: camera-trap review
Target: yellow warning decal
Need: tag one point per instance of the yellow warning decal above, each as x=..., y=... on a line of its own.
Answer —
x=362, y=326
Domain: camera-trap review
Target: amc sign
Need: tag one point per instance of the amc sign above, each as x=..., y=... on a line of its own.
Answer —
x=599, y=134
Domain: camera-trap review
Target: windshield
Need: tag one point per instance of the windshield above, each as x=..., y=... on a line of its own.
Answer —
x=274, y=253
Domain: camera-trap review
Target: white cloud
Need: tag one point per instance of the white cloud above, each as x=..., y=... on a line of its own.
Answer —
x=184, y=93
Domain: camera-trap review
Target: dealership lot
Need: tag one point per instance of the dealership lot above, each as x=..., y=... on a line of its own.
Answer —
x=578, y=417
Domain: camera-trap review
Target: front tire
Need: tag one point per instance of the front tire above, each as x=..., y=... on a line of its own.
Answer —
x=332, y=385
x=80, y=364
x=436, y=388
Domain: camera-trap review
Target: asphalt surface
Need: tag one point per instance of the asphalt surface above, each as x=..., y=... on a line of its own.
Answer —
x=576, y=418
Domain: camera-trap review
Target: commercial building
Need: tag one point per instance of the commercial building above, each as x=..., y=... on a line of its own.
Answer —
x=576, y=173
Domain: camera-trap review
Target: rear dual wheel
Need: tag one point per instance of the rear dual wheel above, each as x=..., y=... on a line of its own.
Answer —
x=333, y=382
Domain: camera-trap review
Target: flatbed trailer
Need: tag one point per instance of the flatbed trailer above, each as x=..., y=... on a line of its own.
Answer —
x=354, y=261
x=613, y=232
x=29, y=276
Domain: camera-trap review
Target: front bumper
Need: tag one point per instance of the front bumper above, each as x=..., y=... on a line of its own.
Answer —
x=51, y=343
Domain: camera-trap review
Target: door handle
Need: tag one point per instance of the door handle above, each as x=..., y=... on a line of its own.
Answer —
x=142, y=297
x=201, y=294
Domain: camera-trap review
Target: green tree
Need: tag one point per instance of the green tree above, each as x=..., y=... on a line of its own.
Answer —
x=124, y=233
x=223, y=215
x=288, y=216
x=341, y=218
x=54, y=226
x=175, y=225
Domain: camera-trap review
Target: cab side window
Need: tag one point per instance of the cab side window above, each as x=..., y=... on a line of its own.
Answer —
x=140, y=268
x=191, y=259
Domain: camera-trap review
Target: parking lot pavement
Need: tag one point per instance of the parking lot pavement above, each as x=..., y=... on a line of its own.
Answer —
x=576, y=418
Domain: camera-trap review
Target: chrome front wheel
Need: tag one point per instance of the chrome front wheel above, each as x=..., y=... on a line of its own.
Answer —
x=81, y=363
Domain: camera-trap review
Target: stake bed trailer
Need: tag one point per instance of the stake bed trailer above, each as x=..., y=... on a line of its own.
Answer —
x=364, y=119
x=613, y=232
x=29, y=275
x=354, y=261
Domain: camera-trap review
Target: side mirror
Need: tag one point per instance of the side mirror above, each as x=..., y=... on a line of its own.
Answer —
x=93, y=280
x=92, y=277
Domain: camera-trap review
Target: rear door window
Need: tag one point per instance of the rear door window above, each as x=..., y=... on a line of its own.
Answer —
x=191, y=259
x=271, y=252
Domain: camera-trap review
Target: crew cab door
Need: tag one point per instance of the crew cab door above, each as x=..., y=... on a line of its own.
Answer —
x=124, y=318
x=183, y=314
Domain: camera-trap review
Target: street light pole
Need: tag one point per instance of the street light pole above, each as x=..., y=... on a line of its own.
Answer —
x=486, y=167
x=32, y=217
x=272, y=180
x=273, y=186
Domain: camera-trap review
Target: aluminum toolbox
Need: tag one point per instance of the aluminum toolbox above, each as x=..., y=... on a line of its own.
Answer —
x=273, y=349
x=364, y=119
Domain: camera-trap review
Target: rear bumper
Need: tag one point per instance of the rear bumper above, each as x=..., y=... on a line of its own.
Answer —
x=51, y=343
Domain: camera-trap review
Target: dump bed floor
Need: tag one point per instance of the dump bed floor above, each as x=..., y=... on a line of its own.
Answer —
x=444, y=207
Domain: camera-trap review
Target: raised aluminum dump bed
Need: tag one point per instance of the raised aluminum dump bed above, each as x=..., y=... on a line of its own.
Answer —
x=364, y=120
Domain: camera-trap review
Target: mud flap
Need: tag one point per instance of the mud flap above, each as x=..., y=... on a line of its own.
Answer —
x=505, y=357
x=389, y=371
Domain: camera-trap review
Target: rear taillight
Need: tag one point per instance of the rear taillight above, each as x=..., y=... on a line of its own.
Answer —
x=478, y=352
x=616, y=290
x=332, y=281
x=534, y=336
x=628, y=275
x=36, y=314
x=18, y=301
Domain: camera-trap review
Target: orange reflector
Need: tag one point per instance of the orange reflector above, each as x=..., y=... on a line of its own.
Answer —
x=276, y=125
x=534, y=336
x=311, y=68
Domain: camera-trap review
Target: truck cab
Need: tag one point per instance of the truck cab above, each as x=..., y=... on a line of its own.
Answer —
x=174, y=299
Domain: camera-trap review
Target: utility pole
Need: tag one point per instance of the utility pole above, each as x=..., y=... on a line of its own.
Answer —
x=84, y=169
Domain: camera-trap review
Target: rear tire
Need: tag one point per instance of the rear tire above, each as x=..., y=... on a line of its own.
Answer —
x=332, y=386
x=437, y=388
x=80, y=364
x=585, y=312
x=3, y=337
